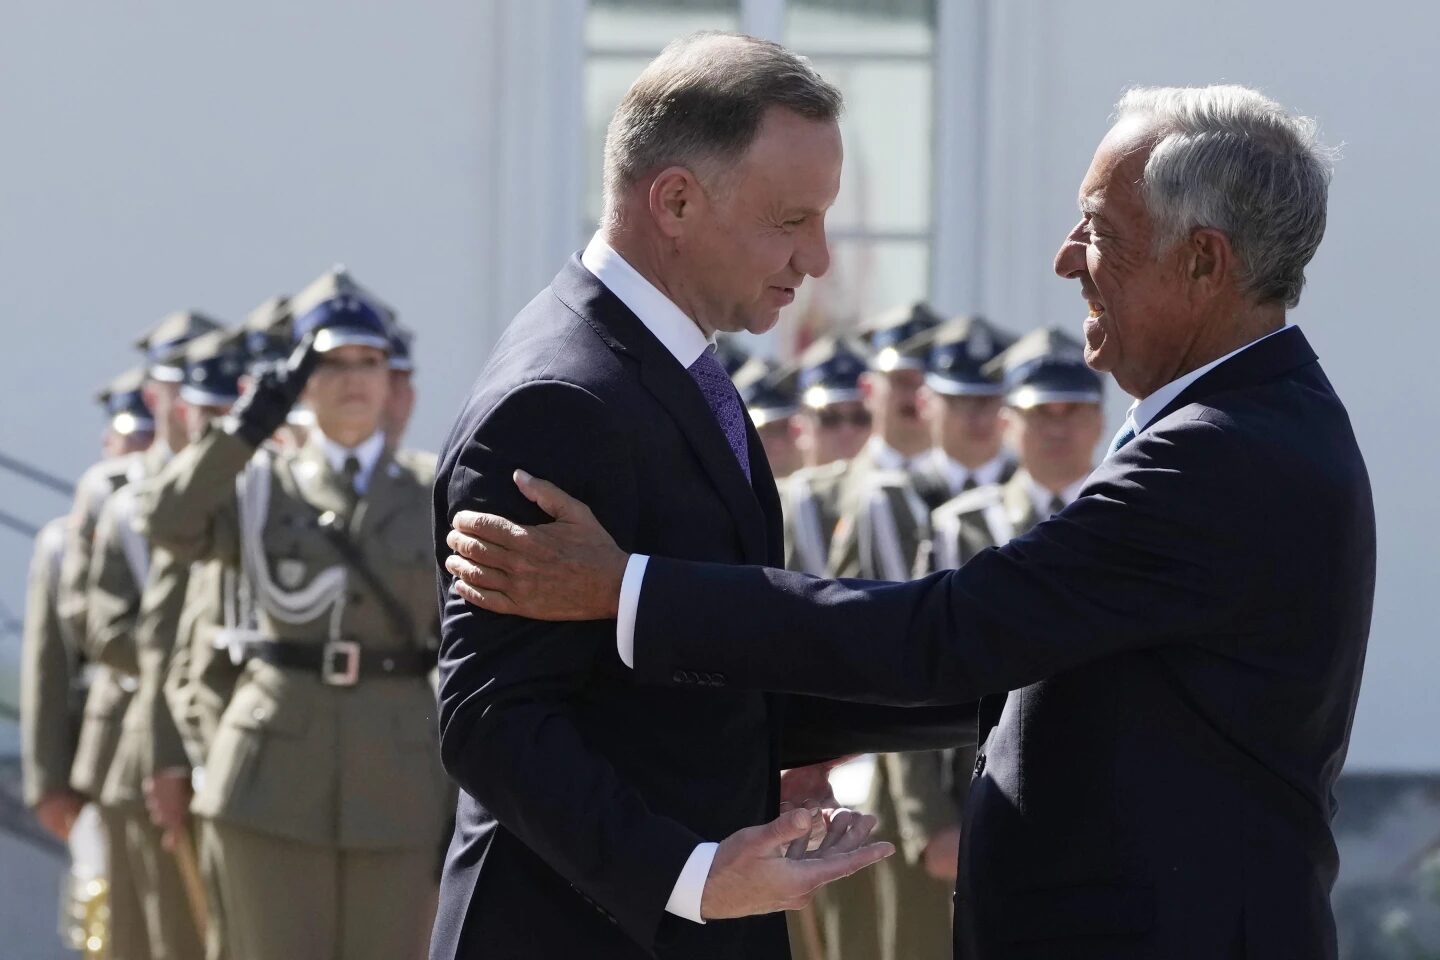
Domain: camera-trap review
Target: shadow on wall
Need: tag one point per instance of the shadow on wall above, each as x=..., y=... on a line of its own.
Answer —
x=1387, y=899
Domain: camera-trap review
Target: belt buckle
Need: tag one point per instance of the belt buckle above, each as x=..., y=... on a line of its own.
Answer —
x=336, y=653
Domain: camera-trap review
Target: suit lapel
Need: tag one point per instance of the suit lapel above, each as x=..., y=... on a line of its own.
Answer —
x=1275, y=356
x=677, y=392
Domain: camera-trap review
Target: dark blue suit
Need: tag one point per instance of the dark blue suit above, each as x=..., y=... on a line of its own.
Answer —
x=584, y=791
x=1184, y=644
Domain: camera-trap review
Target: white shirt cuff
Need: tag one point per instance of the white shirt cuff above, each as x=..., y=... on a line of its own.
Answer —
x=625, y=620
x=690, y=888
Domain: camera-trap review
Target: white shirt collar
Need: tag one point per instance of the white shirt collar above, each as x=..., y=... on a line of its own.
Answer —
x=670, y=325
x=956, y=473
x=368, y=453
x=1144, y=411
x=887, y=457
x=1041, y=497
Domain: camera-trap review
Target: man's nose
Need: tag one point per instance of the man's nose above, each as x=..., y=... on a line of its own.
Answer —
x=1070, y=258
x=812, y=253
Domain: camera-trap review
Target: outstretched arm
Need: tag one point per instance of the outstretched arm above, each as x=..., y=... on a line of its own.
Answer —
x=1137, y=561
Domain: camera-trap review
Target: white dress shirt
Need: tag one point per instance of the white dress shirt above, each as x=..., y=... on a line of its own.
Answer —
x=1042, y=497
x=686, y=342
x=367, y=453
x=956, y=473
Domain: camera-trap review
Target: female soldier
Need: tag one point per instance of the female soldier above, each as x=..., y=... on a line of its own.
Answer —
x=322, y=796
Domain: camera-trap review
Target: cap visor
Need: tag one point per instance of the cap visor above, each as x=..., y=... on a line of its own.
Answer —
x=207, y=398
x=1026, y=397
x=765, y=416
x=332, y=338
x=817, y=397
x=126, y=424
x=166, y=374
x=963, y=388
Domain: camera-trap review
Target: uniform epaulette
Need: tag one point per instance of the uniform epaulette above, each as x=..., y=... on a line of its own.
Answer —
x=970, y=501
x=813, y=478
x=422, y=463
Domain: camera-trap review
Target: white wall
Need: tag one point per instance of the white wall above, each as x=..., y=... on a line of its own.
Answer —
x=163, y=155
x=1370, y=75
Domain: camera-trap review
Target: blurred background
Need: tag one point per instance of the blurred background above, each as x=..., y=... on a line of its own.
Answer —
x=163, y=155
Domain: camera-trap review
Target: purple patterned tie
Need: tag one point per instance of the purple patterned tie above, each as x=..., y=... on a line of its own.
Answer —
x=724, y=403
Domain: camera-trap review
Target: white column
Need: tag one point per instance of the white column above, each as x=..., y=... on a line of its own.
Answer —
x=1017, y=245
x=530, y=167
x=961, y=75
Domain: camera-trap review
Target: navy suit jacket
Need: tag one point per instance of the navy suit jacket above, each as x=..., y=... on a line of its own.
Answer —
x=584, y=791
x=1184, y=644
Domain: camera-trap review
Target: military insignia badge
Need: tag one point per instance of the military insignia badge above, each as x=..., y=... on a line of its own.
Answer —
x=290, y=573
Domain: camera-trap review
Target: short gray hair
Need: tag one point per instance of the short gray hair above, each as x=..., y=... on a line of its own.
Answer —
x=1231, y=159
x=699, y=104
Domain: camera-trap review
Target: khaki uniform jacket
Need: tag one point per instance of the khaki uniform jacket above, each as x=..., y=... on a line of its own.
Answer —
x=148, y=737
x=810, y=508
x=118, y=564
x=353, y=767
x=200, y=676
x=49, y=711
x=981, y=518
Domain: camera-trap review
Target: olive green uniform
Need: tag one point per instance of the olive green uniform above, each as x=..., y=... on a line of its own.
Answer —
x=49, y=667
x=910, y=793
x=322, y=804
x=99, y=576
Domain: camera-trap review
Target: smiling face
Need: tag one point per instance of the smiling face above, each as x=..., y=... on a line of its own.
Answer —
x=747, y=240
x=1141, y=322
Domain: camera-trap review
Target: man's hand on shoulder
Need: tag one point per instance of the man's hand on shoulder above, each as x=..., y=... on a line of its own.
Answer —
x=768, y=868
x=570, y=569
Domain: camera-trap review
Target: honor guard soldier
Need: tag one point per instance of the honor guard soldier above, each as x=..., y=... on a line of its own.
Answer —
x=115, y=565
x=833, y=427
x=49, y=676
x=768, y=391
x=911, y=793
x=1053, y=420
x=901, y=439
x=53, y=683
x=129, y=426
x=323, y=799
x=962, y=401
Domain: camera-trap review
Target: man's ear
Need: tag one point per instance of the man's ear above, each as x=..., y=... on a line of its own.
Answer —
x=1209, y=260
x=676, y=200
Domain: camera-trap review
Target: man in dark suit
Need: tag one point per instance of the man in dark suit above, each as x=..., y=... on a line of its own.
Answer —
x=591, y=805
x=1183, y=643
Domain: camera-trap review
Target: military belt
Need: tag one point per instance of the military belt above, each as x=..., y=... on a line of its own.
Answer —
x=341, y=663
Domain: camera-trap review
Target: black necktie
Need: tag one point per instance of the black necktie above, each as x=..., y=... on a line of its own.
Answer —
x=1057, y=503
x=351, y=473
